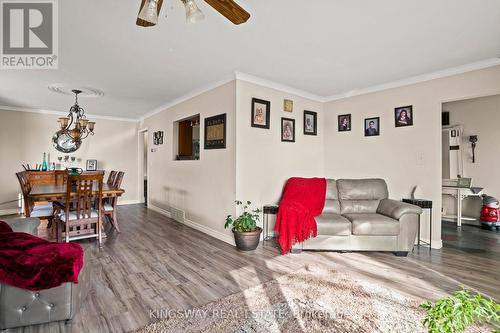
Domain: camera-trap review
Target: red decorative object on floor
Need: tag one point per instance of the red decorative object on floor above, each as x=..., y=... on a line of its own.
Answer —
x=32, y=263
x=303, y=199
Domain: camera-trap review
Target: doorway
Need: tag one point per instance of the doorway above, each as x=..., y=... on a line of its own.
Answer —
x=470, y=138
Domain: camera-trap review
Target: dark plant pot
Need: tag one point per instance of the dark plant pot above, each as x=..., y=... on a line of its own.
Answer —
x=247, y=241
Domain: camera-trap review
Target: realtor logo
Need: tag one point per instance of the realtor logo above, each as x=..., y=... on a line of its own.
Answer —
x=29, y=34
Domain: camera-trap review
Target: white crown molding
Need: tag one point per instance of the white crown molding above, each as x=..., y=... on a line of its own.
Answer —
x=418, y=79
x=189, y=95
x=278, y=86
x=61, y=113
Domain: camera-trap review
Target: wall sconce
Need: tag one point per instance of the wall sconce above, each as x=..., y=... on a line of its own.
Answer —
x=473, y=139
x=158, y=138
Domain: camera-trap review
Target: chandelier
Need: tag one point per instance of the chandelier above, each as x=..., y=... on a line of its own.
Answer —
x=74, y=128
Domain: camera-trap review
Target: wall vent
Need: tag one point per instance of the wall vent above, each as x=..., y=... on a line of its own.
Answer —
x=177, y=214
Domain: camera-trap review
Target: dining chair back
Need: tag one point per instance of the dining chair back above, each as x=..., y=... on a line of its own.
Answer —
x=111, y=177
x=82, y=214
x=110, y=205
x=41, y=210
x=25, y=190
x=119, y=179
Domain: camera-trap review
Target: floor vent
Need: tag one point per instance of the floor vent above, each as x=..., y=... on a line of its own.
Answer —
x=177, y=214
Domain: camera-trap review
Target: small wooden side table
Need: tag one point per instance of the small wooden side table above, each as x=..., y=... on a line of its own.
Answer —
x=268, y=210
x=424, y=204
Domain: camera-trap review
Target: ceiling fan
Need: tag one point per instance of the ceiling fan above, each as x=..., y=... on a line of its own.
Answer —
x=150, y=10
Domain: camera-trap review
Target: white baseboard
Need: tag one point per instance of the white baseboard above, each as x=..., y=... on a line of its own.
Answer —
x=214, y=233
x=197, y=226
x=128, y=202
x=160, y=210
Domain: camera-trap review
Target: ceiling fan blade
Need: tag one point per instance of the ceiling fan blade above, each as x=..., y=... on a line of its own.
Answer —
x=231, y=10
x=143, y=23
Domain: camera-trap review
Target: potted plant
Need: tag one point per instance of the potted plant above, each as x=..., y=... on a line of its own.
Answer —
x=245, y=230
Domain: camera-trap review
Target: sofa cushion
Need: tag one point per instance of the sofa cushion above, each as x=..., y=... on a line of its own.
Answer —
x=333, y=225
x=361, y=195
x=332, y=204
x=373, y=224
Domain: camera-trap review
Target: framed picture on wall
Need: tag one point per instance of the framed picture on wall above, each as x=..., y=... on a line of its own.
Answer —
x=261, y=113
x=372, y=126
x=91, y=165
x=287, y=130
x=344, y=123
x=288, y=105
x=403, y=116
x=215, y=132
x=310, y=123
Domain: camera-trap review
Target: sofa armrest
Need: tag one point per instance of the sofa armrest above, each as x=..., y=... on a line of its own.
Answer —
x=23, y=224
x=396, y=209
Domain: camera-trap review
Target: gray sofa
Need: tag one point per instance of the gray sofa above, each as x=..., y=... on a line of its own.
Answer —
x=358, y=216
x=20, y=307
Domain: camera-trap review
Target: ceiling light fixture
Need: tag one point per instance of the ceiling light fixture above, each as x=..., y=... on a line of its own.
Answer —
x=193, y=13
x=67, y=139
x=149, y=11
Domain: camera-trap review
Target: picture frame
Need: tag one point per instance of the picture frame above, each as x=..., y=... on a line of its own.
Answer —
x=158, y=138
x=403, y=116
x=372, y=126
x=261, y=113
x=215, y=132
x=91, y=165
x=344, y=123
x=287, y=130
x=288, y=105
x=310, y=123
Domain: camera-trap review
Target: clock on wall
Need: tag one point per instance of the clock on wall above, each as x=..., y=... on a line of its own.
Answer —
x=65, y=143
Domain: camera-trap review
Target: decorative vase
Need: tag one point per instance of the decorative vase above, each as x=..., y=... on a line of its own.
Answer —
x=44, y=163
x=247, y=241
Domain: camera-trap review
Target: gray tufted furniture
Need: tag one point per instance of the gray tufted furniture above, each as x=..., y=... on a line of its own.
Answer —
x=20, y=224
x=19, y=307
x=358, y=216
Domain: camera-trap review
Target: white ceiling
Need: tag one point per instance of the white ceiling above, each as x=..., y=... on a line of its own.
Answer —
x=324, y=47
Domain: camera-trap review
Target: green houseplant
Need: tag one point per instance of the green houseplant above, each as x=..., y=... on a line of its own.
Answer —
x=245, y=230
x=459, y=311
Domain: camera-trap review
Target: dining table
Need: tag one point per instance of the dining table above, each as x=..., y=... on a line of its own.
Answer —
x=57, y=192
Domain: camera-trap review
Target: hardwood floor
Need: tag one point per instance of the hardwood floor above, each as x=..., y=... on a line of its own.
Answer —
x=157, y=263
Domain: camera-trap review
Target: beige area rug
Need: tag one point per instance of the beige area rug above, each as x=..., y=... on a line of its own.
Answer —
x=311, y=300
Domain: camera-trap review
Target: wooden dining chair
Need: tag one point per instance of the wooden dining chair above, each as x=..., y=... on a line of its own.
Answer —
x=80, y=216
x=110, y=205
x=111, y=177
x=42, y=210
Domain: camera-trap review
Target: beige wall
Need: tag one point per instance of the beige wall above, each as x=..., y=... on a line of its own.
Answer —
x=25, y=136
x=403, y=156
x=263, y=162
x=204, y=189
x=478, y=116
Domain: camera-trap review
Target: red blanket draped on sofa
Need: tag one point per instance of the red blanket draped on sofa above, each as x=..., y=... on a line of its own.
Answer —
x=29, y=262
x=303, y=199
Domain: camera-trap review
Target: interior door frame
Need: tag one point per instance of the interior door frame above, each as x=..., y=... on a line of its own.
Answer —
x=140, y=165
